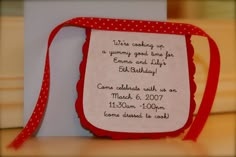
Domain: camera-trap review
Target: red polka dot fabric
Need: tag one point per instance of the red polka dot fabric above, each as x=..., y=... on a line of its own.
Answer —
x=129, y=26
x=39, y=109
x=136, y=26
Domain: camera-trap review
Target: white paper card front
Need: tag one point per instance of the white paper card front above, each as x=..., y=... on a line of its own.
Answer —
x=40, y=17
x=136, y=82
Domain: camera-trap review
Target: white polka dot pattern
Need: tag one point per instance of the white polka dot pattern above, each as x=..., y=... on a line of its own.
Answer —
x=39, y=109
x=137, y=26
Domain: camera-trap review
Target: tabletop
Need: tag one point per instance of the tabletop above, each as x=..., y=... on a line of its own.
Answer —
x=217, y=139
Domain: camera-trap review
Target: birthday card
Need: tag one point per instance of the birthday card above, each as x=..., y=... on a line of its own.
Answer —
x=136, y=80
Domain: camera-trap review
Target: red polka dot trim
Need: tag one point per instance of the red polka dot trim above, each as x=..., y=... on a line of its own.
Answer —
x=39, y=109
x=136, y=26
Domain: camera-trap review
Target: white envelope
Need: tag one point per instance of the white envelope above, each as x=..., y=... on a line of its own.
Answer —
x=66, y=54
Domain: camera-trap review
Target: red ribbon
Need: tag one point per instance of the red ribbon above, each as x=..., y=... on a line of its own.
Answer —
x=130, y=26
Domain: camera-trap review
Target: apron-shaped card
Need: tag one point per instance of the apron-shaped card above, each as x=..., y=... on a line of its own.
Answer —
x=137, y=80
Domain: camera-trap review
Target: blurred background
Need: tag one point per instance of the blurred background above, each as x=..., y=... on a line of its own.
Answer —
x=209, y=9
x=201, y=9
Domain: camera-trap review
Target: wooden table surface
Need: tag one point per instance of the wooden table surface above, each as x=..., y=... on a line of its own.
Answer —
x=217, y=139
